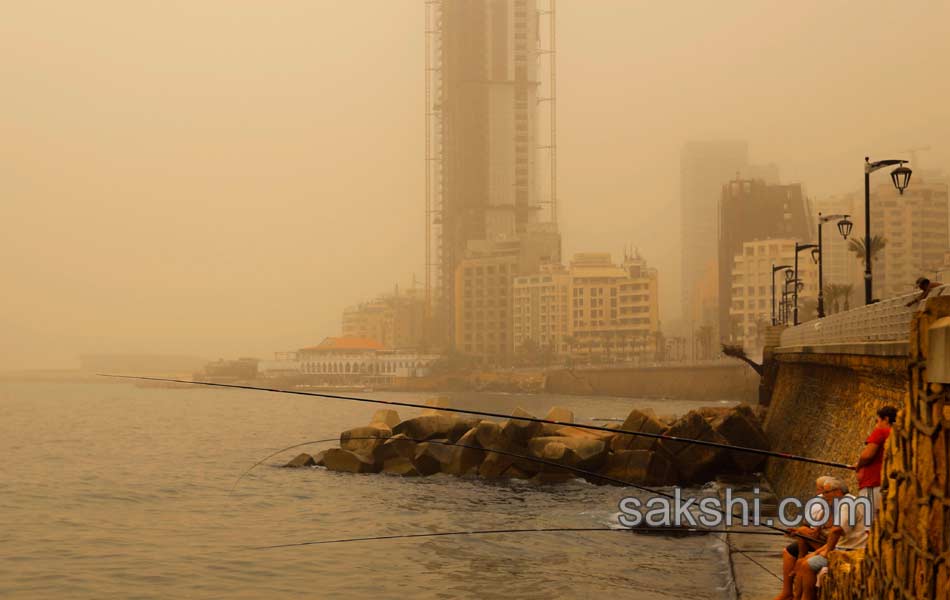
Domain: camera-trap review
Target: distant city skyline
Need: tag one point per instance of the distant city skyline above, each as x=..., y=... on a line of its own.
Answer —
x=231, y=193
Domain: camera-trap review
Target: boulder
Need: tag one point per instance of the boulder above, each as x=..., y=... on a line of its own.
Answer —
x=386, y=416
x=400, y=465
x=364, y=440
x=740, y=427
x=695, y=463
x=338, y=459
x=427, y=427
x=557, y=413
x=554, y=475
x=644, y=467
x=318, y=458
x=637, y=420
x=398, y=446
x=513, y=472
x=561, y=414
x=301, y=460
x=467, y=455
x=520, y=431
x=432, y=458
x=712, y=413
x=581, y=432
x=495, y=465
x=580, y=452
x=488, y=435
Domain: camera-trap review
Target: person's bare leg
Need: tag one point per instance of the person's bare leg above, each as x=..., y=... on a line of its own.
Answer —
x=788, y=574
x=807, y=579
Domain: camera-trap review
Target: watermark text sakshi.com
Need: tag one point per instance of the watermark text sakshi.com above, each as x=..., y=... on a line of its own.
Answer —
x=713, y=511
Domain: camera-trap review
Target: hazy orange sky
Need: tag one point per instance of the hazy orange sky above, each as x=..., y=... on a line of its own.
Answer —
x=222, y=177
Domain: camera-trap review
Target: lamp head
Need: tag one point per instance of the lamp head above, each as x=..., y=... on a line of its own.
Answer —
x=844, y=227
x=901, y=178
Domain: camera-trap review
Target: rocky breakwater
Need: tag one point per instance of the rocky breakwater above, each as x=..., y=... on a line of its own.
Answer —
x=437, y=441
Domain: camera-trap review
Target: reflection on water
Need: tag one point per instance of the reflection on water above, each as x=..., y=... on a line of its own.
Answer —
x=115, y=490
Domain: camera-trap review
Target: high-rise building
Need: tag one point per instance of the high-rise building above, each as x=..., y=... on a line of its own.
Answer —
x=750, y=308
x=914, y=226
x=485, y=145
x=395, y=320
x=752, y=209
x=704, y=167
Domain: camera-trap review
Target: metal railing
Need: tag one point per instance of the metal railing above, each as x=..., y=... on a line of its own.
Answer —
x=885, y=321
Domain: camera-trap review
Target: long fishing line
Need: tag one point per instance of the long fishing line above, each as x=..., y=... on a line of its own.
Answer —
x=690, y=530
x=542, y=461
x=659, y=436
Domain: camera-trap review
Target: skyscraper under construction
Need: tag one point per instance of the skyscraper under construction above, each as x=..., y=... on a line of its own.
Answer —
x=490, y=135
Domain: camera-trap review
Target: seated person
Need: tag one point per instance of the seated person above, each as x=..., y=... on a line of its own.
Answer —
x=844, y=533
x=805, y=539
x=925, y=286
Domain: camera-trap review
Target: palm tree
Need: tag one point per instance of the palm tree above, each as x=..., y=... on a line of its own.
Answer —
x=856, y=245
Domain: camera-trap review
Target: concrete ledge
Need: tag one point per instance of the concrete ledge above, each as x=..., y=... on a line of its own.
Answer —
x=863, y=348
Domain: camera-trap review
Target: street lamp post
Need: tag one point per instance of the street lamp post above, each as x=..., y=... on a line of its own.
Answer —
x=844, y=228
x=790, y=307
x=798, y=248
x=774, y=270
x=901, y=178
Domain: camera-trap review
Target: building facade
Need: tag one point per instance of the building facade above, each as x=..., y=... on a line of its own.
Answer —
x=360, y=361
x=704, y=167
x=483, y=289
x=541, y=315
x=396, y=321
x=751, y=308
x=915, y=227
x=483, y=92
x=753, y=209
x=594, y=309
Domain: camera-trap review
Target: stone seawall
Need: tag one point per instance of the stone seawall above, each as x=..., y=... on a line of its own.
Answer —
x=823, y=405
x=731, y=380
x=908, y=552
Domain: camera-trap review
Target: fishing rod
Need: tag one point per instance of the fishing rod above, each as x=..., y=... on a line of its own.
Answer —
x=696, y=530
x=778, y=530
x=549, y=463
x=479, y=413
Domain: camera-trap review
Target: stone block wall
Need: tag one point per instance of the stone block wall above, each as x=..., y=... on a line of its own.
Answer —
x=731, y=380
x=823, y=406
x=908, y=553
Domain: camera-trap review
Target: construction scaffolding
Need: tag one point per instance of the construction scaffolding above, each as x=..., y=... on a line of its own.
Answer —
x=490, y=79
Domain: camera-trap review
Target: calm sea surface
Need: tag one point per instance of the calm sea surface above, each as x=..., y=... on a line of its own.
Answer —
x=108, y=490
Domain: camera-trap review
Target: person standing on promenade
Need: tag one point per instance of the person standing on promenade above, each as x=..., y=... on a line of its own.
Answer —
x=871, y=458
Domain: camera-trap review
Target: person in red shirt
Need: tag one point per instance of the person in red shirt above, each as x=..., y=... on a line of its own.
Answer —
x=872, y=457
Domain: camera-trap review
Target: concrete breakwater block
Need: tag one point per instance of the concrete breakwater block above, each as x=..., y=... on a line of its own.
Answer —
x=444, y=425
x=338, y=459
x=466, y=446
x=301, y=460
x=694, y=462
x=637, y=420
x=740, y=427
x=363, y=440
x=644, y=467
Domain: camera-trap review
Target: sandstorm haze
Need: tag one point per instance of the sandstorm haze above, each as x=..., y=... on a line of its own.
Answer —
x=223, y=178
